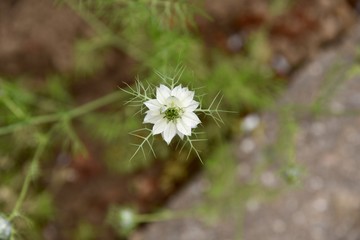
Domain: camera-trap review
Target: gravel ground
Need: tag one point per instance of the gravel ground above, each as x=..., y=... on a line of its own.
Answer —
x=326, y=206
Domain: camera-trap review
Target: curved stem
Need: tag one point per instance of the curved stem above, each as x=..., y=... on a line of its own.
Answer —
x=43, y=140
x=76, y=112
x=91, y=106
x=18, y=112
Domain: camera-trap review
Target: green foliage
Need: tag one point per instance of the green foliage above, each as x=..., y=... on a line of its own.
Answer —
x=44, y=209
x=15, y=101
x=89, y=55
x=278, y=7
x=283, y=151
x=245, y=83
x=330, y=85
x=85, y=231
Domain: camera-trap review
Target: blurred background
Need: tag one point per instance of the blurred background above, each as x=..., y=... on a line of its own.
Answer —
x=64, y=126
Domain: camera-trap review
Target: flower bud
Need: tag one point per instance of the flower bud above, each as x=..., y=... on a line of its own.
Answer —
x=292, y=174
x=5, y=229
x=127, y=220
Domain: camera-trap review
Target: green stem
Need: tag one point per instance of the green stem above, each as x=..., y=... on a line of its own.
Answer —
x=18, y=112
x=76, y=112
x=91, y=106
x=201, y=110
x=43, y=140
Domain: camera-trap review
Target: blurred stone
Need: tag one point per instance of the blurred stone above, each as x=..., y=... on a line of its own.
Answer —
x=247, y=145
x=235, y=42
x=280, y=63
x=250, y=123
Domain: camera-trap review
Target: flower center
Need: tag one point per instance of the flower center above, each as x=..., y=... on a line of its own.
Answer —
x=172, y=113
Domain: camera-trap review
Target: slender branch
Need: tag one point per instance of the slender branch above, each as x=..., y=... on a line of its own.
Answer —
x=141, y=145
x=43, y=140
x=18, y=112
x=74, y=113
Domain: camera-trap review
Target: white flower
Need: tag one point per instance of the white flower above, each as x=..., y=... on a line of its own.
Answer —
x=172, y=112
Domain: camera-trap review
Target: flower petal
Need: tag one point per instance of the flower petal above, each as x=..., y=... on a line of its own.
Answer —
x=152, y=117
x=172, y=100
x=162, y=93
x=176, y=91
x=159, y=126
x=153, y=104
x=169, y=132
x=179, y=92
x=190, y=119
x=180, y=134
x=184, y=96
x=187, y=98
x=183, y=127
x=192, y=106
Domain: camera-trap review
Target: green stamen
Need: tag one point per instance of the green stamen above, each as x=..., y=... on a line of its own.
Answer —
x=172, y=113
